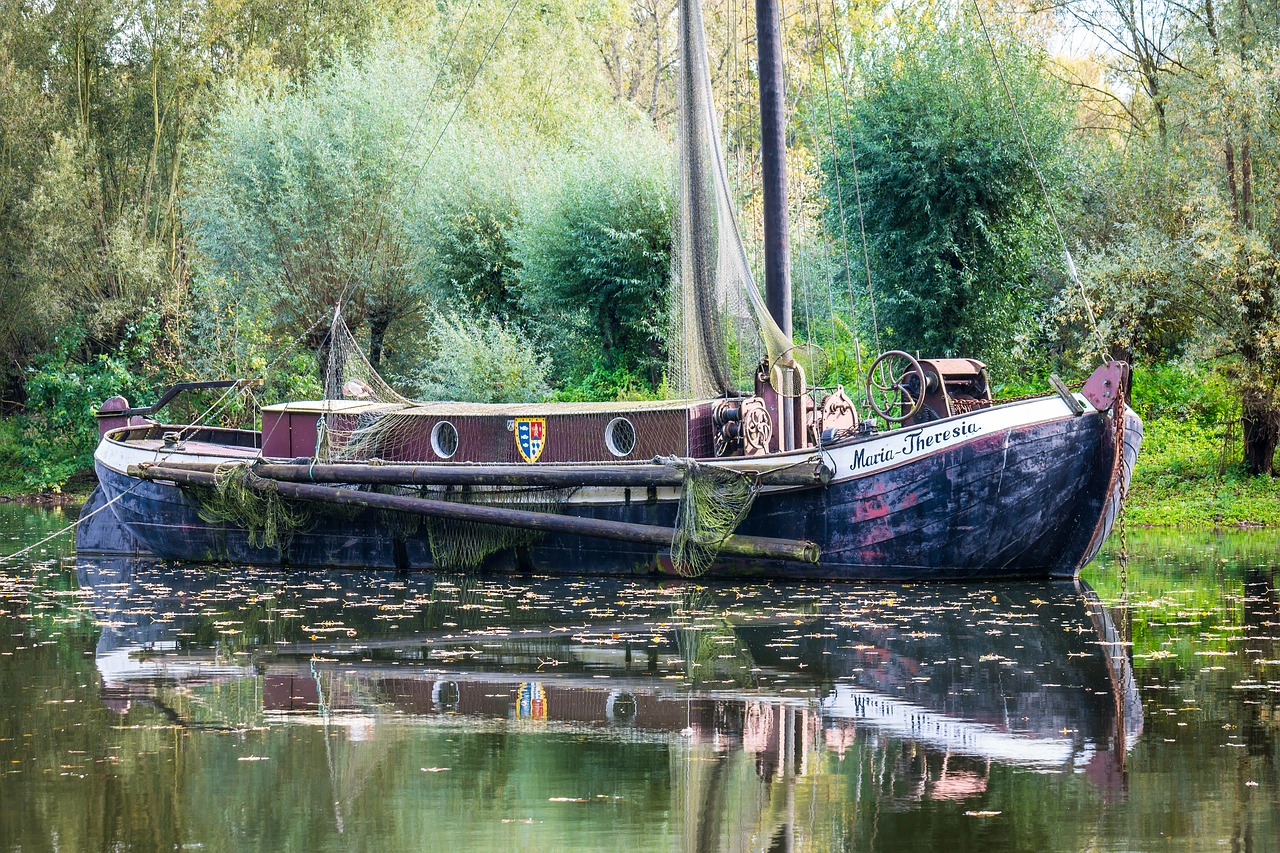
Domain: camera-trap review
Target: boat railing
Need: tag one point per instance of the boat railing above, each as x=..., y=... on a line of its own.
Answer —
x=118, y=407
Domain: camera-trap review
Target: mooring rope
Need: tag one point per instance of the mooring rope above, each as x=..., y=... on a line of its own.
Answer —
x=162, y=454
x=16, y=554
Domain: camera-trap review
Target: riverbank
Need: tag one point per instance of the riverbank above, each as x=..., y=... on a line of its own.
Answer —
x=1181, y=481
x=63, y=499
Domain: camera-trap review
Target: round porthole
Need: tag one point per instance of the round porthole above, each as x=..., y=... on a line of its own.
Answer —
x=620, y=708
x=620, y=436
x=446, y=695
x=444, y=439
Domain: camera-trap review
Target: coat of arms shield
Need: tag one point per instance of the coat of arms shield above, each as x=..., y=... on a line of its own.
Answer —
x=531, y=435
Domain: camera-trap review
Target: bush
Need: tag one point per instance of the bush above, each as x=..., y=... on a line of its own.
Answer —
x=604, y=383
x=481, y=360
x=1183, y=392
x=958, y=235
x=599, y=239
x=55, y=439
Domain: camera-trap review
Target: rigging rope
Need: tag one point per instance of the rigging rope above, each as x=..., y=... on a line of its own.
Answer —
x=844, y=230
x=444, y=61
x=161, y=455
x=470, y=85
x=449, y=121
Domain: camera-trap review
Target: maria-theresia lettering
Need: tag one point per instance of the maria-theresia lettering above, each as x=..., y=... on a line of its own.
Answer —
x=916, y=441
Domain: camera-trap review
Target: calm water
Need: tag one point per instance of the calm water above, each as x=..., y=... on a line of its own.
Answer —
x=147, y=706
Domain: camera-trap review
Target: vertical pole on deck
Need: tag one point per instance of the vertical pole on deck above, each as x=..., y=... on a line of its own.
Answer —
x=773, y=144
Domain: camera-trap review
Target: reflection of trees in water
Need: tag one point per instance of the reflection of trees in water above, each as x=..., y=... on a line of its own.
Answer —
x=732, y=738
x=708, y=642
x=1205, y=628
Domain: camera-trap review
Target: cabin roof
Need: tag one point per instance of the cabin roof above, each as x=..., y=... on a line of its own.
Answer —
x=458, y=409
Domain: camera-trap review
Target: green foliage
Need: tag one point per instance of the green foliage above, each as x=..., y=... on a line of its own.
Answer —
x=464, y=217
x=1184, y=392
x=961, y=249
x=1181, y=225
x=1139, y=258
x=101, y=103
x=1180, y=481
x=481, y=360
x=599, y=240
x=299, y=199
x=55, y=438
x=406, y=208
x=609, y=383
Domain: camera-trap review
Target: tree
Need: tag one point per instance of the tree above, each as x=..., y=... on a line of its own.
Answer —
x=599, y=240
x=960, y=243
x=1219, y=104
x=300, y=199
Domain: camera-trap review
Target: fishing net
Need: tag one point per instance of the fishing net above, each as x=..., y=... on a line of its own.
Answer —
x=719, y=322
x=246, y=500
x=466, y=544
x=713, y=502
x=240, y=497
x=362, y=422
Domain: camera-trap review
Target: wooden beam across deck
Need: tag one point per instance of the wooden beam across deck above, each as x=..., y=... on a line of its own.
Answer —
x=809, y=473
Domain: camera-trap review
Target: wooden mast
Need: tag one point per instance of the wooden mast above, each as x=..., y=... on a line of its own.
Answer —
x=773, y=144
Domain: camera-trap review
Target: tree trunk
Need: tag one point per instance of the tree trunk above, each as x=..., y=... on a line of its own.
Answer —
x=1231, y=181
x=1246, y=184
x=1260, y=420
x=378, y=324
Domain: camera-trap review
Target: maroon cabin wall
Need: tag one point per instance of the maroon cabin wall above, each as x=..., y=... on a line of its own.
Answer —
x=492, y=438
x=702, y=433
x=569, y=438
x=286, y=435
x=276, y=443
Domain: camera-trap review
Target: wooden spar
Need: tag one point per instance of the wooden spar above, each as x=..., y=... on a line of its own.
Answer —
x=549, y=476
x=758, y=547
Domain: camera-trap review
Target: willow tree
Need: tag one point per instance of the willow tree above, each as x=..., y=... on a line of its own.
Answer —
x=299, y=200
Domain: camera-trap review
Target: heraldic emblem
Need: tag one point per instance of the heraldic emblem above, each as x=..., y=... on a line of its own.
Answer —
x=531, y=435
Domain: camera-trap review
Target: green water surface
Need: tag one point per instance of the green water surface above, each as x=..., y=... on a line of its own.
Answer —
x=155, y=707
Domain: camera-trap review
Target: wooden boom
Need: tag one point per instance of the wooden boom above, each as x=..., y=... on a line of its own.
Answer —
x=551, y=476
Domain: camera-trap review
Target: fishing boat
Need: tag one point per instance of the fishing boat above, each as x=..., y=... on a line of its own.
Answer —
x=923, y=476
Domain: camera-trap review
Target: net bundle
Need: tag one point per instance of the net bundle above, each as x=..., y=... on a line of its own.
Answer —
x=368, y=429
x=240, y=497
x=719, y=323
x=461, y=545
x=713, y=502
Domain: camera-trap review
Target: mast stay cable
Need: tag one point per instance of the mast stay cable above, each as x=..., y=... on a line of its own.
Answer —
x=844, y=226
x=1044, y=189
x=857, y=186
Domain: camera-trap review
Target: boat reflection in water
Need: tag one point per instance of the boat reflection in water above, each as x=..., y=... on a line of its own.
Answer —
x=924, y=690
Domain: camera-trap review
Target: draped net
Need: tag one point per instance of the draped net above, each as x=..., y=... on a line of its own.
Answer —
x=719, y=324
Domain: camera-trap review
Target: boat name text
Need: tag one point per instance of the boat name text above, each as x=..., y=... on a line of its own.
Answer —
x=916, y=441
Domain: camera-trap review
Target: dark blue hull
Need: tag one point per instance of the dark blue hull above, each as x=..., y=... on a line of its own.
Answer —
x=1030, y=501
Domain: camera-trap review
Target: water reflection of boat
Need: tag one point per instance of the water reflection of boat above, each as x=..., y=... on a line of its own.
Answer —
x=959, y=677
